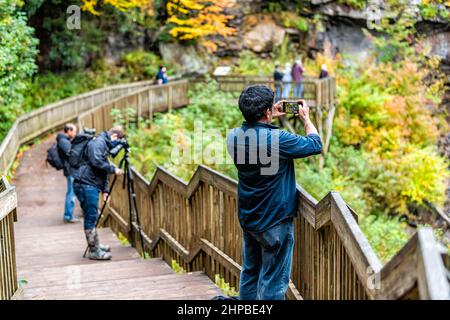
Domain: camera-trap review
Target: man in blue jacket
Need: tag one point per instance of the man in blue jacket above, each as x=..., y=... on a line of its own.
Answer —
x=90, y=179
x=267, y=192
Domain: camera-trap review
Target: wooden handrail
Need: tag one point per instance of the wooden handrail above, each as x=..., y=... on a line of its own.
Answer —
x=317, y=92
x=9, y=287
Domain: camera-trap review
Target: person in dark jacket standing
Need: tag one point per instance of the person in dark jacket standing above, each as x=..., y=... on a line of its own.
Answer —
x=161, y=76
x=90, y=179
x=267, y=192
x=277, y=78
x=63, y=141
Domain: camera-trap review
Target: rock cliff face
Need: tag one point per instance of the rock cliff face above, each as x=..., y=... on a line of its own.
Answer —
x=260, y=31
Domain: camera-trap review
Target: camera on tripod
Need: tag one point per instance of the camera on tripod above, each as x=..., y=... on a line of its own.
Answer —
x=121, y=144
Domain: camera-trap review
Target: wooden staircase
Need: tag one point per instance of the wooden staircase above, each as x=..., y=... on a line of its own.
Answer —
x=49, y=252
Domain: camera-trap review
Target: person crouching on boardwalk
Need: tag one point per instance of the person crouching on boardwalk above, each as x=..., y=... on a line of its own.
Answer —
x=267, y=192
x=90, y=179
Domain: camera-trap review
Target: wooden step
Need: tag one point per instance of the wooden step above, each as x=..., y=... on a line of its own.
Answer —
x=98, y=271
x=164, y=286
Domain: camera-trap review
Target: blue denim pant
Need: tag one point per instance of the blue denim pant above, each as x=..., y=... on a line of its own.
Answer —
x=298, y=90
x=88, y=197
x=286, y=90
x=70, y=199
x=277, y=92
x=267, y=263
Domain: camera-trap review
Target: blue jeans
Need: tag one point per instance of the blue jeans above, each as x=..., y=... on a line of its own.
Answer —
x=298, y=90
x=267, y=262
x=88, y=197
x=70, y=200
x=286, y=90
x=277, y=92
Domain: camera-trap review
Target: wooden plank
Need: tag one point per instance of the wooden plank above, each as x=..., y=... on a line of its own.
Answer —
x=431, y=276
x=357, y=247
x=399, y=275
x=8, y=202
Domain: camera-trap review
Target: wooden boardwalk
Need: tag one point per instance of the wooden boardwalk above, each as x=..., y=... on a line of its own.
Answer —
x=49, y=252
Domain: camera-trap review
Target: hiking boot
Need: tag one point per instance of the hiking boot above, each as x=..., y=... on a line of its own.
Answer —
x=102, y=247
x=95, y=249
x=97, y=254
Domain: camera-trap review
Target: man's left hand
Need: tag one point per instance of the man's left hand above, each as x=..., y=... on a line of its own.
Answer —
x=105, y=196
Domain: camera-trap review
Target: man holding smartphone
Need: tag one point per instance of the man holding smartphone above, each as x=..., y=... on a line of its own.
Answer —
x=267, y=202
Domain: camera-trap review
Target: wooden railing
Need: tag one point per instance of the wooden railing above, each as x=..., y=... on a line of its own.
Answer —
x=317, y=92
x=9, y=287
x=196, y=225
x=144, y=101
x=36, y=123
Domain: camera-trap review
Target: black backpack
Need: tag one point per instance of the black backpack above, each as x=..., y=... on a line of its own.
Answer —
x=78, y=149
x=53, y=157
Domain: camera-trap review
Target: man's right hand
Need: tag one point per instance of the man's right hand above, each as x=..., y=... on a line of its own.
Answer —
x=303, y=112
x=118, y=172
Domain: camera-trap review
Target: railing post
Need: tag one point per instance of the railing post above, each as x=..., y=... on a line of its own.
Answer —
x=150, y=103
x=170, y=97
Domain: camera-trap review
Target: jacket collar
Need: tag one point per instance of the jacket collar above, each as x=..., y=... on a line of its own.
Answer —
x=245, y=124
x=107, y=138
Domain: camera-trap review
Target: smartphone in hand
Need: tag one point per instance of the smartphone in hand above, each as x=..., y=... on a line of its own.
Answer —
x=292, y=106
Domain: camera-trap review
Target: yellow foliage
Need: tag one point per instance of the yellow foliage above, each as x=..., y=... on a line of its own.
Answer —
x=122, y=5
x=196, y=19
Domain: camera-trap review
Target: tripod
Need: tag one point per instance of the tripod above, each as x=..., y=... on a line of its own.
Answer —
x=128, y=181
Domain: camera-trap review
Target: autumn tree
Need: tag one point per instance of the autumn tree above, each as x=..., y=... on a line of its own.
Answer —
x=122, y=5
x=198, y=19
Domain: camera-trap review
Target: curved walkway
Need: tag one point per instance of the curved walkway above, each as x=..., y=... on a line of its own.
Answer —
x=49, y=252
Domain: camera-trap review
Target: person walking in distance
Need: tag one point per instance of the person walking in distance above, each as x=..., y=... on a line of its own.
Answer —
x=161, y=76
x=63, y=142
x=267, y=191
x=90, y=179
x=323, y=72
x=297, y=76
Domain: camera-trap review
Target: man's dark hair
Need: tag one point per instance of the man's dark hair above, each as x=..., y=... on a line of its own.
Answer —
x=254, y=101
x=69, y=127
x=117, y=130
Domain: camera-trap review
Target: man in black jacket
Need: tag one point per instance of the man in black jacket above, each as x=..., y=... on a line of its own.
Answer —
x=91, y=178
x=63, y=141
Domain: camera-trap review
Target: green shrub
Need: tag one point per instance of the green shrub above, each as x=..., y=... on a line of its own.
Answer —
x=292, y=20
x=386, y=235
x=250, y=64
x=357, y=4
x=17, y=61
x=141, y=65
